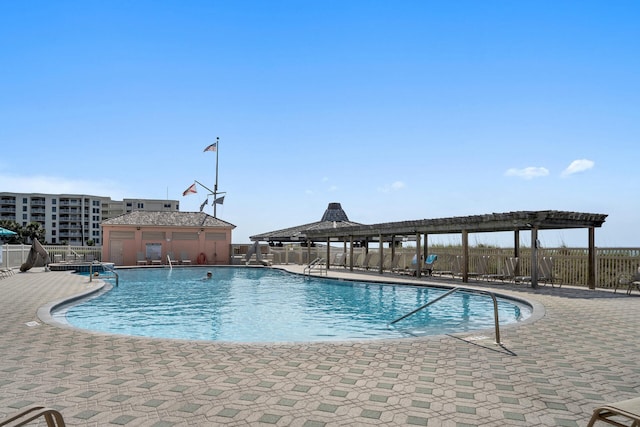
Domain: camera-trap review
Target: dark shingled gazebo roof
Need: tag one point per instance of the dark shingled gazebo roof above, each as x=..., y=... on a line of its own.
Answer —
x=334, y=217
x=334, y=212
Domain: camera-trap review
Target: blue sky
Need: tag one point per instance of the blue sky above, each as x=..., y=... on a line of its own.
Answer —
x=398, y=110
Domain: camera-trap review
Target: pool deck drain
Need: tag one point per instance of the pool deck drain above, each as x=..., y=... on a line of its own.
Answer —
x=552, y=371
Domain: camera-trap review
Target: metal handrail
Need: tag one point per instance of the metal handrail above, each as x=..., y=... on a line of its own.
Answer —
x=169, y=260
x=105, y=266
x=446, y=294
x=313, y=264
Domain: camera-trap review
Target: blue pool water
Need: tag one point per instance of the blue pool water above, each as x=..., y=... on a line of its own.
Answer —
x=265, y=305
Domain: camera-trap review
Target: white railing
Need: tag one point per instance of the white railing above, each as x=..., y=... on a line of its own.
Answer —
x=13, y=256
x=570, y=264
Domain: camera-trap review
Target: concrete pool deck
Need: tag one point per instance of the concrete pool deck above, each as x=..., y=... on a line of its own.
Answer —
x=551, y=372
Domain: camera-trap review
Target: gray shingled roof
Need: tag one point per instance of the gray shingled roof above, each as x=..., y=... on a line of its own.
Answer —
x=168, y=219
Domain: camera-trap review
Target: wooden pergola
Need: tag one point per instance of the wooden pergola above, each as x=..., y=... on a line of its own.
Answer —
x=419, y=230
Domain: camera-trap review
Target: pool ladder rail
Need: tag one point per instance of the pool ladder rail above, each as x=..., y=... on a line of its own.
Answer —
x=451, y=291
x=318, y=264
x=105, y=267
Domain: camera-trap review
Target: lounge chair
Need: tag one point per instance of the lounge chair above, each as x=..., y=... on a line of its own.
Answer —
x=340, y=259
x=395, y=263
x=428, y=263
x=456, y=266
x=141, y=259
x=509, y=269
x=386, y=262
x=427, y=267
x=483, y=267
x=411, y=268
x=545, y=271
x=446, y=261
x=625, y=410
x=365, y=260
x=184, y=258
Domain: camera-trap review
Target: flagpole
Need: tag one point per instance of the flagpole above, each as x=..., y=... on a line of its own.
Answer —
x=215, y=187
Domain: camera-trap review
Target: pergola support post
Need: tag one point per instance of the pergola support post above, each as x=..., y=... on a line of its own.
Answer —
x=328, y=253
x=418, y=256
x=393, y=248
x=465, y=256
x=534, y=257
x=351, y=253
x=381, y=249
x=591, y=267
x=516, y=250
x=425, y=246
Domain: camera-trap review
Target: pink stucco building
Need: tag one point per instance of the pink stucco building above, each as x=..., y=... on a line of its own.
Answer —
x=148, y=237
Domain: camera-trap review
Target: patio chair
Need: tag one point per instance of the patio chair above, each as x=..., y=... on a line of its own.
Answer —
x=52, y=417
x=629, y=280
x=615, y=413
x=141, y=259
x=184, y=258
x=6, y=272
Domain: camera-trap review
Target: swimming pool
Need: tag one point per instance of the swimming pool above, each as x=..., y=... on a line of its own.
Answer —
x=267, y=305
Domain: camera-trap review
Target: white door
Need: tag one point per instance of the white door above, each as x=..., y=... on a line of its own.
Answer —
x=115, y=254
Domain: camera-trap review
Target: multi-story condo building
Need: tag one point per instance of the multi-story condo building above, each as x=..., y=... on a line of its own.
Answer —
x=72, y=218
x=113, y=208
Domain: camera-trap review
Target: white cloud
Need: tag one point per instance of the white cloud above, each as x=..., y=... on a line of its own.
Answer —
x=333, y=188
x=395, y=186
x=528, y=173
x=576, y=166
x=60, y=185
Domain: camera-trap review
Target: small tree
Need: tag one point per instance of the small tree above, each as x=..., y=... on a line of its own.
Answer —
x=34, y=230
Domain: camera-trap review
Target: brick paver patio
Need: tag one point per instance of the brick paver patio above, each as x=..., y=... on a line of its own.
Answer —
x=580, y=353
